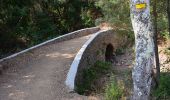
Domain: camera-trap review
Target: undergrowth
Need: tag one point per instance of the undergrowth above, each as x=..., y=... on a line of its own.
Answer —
x=120, y=86
x=90, y=75
x=127, y=33
x=163, y=91
x=120, y=51
x=114, y=90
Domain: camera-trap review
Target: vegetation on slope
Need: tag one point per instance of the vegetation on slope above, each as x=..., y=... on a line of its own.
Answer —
x=90, y=75
x=26, y=23
x=29, y=22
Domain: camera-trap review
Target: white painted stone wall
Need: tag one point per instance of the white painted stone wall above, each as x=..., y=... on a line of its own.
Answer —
x=93, y=50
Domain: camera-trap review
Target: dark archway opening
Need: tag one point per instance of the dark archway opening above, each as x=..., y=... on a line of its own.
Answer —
x=109, y=53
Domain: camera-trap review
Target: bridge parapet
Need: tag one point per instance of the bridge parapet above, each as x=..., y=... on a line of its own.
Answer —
x=99, y=47
x=30, y=54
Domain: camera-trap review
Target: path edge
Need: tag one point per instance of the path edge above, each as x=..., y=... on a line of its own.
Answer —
x=72, y=35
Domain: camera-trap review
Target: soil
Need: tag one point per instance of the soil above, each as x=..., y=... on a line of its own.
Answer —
x=43, y=78
x=125, y=62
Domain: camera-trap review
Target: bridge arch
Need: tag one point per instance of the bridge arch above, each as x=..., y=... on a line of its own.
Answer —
x=100, y=47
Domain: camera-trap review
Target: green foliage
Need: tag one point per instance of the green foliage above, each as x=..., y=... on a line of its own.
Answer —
x=163, y=91
x=90, y=74
x=163, y=25
x=126, y=33
x=87, y=18
x=114, y=90
x=24, y=23
x=162, y=20
x=165, y=34
x=116, y=12
x=167, y=51
x=119, y=86
x=119, y=51
x=29, y=22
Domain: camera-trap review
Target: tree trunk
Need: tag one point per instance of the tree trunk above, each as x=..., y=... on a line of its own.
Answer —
x=157, y=70
x=168, y=12
x=145, y=57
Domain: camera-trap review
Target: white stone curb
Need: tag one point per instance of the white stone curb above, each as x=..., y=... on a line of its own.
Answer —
x=44, y=43
x=70, y=80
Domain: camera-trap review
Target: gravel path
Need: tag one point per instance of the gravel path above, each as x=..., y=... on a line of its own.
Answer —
x=43, y=78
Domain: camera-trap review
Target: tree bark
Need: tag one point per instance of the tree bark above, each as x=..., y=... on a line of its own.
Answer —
x=144, y=43
x=168, y=12
x=157, y=70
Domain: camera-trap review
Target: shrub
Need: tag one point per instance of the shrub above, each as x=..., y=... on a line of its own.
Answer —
x=91, y=74
x=163, y=91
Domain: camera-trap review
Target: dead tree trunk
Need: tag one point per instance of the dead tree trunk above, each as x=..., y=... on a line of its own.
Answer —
x=145, y=57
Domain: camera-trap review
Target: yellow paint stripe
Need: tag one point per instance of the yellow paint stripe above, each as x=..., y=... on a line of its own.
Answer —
x=141, y=6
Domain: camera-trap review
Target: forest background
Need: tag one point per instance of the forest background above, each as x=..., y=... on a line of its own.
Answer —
x=24, y=23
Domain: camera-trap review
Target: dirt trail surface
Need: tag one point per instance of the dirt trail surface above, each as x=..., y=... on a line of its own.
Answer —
x=44, y=77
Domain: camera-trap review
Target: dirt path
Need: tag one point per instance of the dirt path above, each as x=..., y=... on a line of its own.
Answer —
x=42, y=79
x=127, y=59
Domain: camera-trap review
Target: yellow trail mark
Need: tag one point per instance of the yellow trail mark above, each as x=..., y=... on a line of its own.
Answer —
x=141, y=6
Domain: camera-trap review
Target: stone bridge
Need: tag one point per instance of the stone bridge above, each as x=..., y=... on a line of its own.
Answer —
x=50, y=70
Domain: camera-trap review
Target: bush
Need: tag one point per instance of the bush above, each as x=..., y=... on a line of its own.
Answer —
x=163, y=91
x=91, y=74
x=114, y=90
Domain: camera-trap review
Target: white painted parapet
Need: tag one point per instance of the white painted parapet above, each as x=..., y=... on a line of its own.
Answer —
x=27, y=53
x=92, y=52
